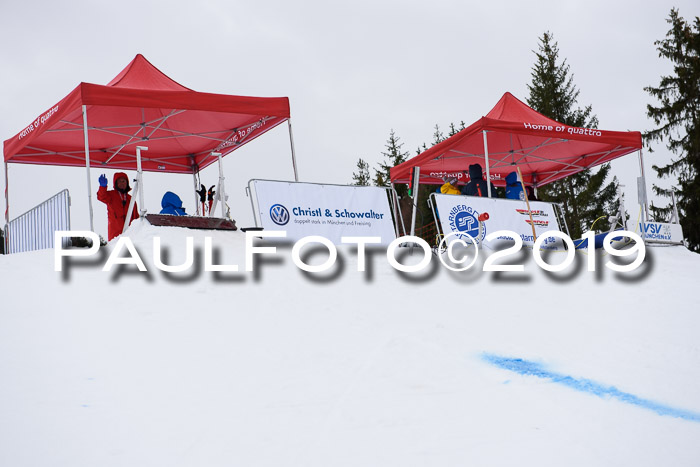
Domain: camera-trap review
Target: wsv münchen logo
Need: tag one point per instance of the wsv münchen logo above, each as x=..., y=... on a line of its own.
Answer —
x=464, y=220
x=279, y=214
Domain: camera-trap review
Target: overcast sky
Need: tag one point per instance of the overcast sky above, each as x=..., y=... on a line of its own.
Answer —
x=353, y=71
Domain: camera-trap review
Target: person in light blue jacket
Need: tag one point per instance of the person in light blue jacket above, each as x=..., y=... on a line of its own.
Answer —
x=172, y=204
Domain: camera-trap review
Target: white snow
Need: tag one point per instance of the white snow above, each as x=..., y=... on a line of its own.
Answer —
x=361, y=369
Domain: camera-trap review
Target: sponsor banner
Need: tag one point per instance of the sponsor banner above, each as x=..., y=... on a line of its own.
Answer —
x=459, y=215
x=332, y=211
x=660, y=232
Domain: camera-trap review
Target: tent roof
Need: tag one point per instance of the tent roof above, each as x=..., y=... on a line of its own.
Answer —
x=544, y=149
x=142, y=106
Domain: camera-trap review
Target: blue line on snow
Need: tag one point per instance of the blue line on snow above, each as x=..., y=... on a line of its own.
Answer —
x=528, y=368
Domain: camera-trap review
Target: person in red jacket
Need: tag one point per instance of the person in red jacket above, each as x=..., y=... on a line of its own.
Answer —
x=117, y=202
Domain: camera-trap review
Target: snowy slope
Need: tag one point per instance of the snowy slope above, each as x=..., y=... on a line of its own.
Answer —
x=279, y=368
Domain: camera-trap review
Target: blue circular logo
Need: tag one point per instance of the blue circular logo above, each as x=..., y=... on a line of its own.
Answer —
x=279, y=214
x=467, y=222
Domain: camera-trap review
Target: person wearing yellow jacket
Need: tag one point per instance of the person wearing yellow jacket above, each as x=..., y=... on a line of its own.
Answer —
x=450, y=186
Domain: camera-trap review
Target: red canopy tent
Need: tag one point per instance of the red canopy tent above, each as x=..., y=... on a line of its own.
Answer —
x=512, y=134
x=184, y=130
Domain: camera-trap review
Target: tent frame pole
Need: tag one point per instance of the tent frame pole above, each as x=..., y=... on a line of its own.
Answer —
x=7, y=211
x=194, y=182
x=644, y=181
x=416, y=186
x=438, y=226
x=139, y=178
x=7, y=196
x=87, y=166
x=196, y=197
x=397, y=211
x=220, y=194
x=222, y=190
x=488, y=170
x=138, y=190
x=130, y=209
x=291, y=142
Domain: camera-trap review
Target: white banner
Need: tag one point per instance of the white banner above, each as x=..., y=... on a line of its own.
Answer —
x=459, y=215
x=331, y=211
x=660, y=232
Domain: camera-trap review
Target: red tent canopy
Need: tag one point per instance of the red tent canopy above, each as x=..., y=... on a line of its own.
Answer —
x=144, y=107
x=516, y=135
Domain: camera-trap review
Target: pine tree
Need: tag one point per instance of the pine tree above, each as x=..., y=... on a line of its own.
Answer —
x=553, y=93
x=361, y=177
x=456, y=129
x=392, y=157
x=678, y=115
x=438, y=136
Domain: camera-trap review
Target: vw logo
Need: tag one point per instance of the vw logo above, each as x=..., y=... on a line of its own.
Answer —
x=279, y=214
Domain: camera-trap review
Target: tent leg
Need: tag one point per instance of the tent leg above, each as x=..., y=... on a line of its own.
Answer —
x=222, y=190
x=7, y=199
x=196, y=197
x=194, y=182
x=138, y=190
x=397, y=211
x=139, y=178
x=644, y=181
x=416, y=181
x=438, y=227
x=221, y=196
x=488, y=170
x=87, y=166
x=291, y=142
x=130, y=211
x=7, y=211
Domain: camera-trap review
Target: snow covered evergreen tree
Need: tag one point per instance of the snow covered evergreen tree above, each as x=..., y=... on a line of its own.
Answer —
x=678, y=117
x=393, y=156
x=454, y=129
x=438, y=136
x=584, y=196
x=361, y=177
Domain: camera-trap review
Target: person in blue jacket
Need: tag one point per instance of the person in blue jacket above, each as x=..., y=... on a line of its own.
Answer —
x=514, y=189
x=172, y=204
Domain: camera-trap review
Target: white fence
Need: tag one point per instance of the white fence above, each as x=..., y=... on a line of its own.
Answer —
x=34, y=230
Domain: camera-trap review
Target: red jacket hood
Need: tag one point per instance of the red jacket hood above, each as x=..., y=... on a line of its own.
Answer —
x=119, y=175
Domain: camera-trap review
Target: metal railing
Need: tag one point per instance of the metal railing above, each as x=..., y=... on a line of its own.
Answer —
x=34, y=230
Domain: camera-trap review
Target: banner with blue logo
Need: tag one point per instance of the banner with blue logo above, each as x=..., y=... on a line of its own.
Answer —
x=332, y=211
x=658, y=232
x=460, y=214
